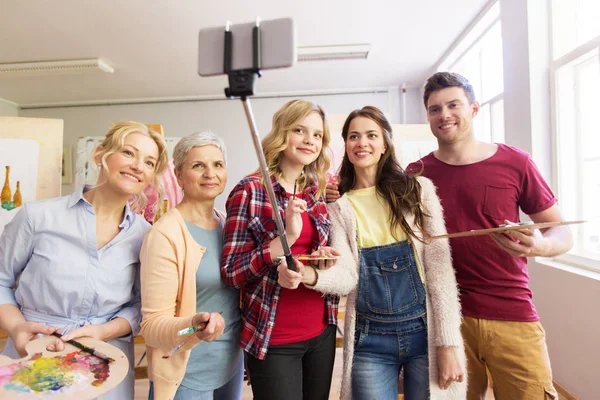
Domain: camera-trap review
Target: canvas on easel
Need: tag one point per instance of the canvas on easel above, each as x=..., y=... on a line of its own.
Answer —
x=30, y=162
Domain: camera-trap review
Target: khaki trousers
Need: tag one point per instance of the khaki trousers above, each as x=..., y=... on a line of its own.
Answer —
x=516, y=355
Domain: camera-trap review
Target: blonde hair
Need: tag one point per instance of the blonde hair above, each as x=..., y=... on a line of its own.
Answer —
x=289, y=116
x=115, y=140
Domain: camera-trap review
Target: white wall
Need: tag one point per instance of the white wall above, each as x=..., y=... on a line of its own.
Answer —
x=566, y=302
x=415, y=110
x=224, y=117
x=8, y=109
x=412, y=100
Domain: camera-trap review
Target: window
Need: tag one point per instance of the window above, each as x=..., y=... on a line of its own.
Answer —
x=576, y=79
x=574, y=22
x=478, y=57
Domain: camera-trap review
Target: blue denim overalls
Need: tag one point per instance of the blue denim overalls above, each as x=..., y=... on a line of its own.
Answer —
x=391, y=329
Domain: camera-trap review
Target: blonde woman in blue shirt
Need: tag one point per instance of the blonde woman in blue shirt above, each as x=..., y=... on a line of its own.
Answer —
x=77, y=256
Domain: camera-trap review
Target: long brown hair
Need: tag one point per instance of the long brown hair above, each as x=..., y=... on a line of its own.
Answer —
x=401, y=191
x=288, y=117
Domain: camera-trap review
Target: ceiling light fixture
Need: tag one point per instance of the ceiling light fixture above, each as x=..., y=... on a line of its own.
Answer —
x=60, y=67
x=334, y=52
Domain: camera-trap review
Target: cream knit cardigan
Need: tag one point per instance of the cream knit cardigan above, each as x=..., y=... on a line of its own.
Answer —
x=443, y=308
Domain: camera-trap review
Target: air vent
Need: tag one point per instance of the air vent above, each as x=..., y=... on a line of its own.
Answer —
x=60, y=67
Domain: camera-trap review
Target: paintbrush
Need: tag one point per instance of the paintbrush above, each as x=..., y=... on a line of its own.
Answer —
x=294, y=194
x=174, y=349
x=194, y=329
x=86, y=349
x=191, y=329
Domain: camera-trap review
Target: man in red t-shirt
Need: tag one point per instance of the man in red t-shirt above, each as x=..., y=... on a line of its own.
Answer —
x=483, y=185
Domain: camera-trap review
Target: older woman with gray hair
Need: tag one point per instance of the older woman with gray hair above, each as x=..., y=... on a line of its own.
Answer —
x=180, y=275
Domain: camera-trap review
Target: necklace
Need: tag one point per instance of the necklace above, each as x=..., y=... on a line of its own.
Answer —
x=289, y=182
x=292, y=182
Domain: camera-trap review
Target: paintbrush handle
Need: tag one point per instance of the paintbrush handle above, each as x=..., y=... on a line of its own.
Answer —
x=200, y=327
x=176, y=348
x=85, y=348
x=193, y=329
x=294, y=194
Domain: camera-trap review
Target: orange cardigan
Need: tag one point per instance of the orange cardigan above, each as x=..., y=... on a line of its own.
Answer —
x=170, y=257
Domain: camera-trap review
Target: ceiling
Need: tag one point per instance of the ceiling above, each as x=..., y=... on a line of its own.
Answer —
x=153, y=44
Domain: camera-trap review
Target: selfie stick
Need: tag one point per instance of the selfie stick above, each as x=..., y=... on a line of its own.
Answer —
x=241, y=84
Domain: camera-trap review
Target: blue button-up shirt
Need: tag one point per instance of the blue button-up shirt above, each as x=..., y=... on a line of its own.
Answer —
x=65, y=280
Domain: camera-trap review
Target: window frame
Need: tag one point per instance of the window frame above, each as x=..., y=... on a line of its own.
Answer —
x=579, y=259
x=488, y=19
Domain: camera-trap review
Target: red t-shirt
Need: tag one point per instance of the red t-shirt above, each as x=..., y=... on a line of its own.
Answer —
x=300, y=312
x=493, y=284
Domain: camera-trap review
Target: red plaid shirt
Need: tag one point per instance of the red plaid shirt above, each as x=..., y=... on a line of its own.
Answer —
x=247, y=263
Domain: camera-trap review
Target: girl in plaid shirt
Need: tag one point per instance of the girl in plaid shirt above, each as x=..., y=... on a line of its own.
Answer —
x=288, y=334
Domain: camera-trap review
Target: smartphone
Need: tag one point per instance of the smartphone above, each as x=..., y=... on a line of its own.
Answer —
x=277, y=42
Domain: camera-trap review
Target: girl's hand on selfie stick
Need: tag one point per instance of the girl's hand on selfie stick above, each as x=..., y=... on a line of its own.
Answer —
x=292, y=279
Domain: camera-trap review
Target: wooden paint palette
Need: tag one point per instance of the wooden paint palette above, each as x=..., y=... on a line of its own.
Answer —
x=504, y=228
x=308, y=257
x=67, y=374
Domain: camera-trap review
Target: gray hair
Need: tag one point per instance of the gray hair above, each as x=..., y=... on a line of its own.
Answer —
x=198, y=139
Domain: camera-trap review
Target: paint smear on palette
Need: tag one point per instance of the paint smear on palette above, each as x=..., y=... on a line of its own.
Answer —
x=47, y=376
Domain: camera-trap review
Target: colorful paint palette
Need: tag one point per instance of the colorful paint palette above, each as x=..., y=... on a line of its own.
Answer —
x=69, y=374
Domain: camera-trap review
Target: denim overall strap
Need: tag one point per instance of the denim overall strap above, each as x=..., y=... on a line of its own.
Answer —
x=390, y=287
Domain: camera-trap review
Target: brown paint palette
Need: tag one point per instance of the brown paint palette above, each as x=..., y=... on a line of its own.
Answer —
x=502, y=229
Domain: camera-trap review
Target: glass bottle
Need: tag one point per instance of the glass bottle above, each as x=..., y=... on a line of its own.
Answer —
x=17, y=198
x=6, y=195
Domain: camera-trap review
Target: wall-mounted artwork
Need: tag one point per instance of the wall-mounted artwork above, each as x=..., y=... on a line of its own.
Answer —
x=20, y=176
x=68, y=374
x=30, y=162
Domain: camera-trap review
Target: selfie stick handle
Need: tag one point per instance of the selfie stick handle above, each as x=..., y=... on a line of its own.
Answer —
x=241, y=83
